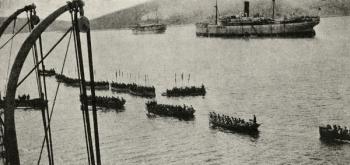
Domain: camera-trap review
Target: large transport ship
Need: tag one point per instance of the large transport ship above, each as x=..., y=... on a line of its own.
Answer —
x=244, y=25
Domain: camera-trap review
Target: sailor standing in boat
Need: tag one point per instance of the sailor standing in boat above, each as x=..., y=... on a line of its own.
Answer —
x=254, y=118
x=346, y=130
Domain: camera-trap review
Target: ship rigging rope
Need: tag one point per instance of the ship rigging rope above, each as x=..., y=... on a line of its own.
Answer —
x=9, y=60
x=47, y=54
x=40, y=90
x=83, y=95
x=46, y=107
x=80, y=90
x=46, y=110
x=35, y=59
x=14, y=34
x=75, y=48
x=55, y=97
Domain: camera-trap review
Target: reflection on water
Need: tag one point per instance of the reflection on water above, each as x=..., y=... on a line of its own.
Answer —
x=291, y=85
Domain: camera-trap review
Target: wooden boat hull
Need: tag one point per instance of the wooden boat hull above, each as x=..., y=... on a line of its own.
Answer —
x=107, y=102
x=180, y=95
x=148, y=31
x=77, y=85
x=99, y=87
x=170, y=111
x=27, y=104
x=329, y=135
x=134, y=93
x=236, y=128
x=145, y=94
x=185, y=91
x=120, y=90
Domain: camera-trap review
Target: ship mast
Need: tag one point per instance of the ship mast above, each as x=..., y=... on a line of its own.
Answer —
x=157, y=19
x=216, y=12
x=273, y=9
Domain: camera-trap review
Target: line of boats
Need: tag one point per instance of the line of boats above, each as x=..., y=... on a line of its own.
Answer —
x=216, y=120
x=182, y=112
x=99, y=85
x=134, y=89
x=328, y=133
x=26, y=102
x=185, y=91
x=107, y=102
x=221, y=121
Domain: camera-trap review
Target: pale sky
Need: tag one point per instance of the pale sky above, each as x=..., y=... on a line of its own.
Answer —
x=93, y=8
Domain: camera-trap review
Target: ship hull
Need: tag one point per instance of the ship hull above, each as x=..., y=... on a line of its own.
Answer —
x=301, y=29
x=149, y=29
x=158, y=31
x=134, y=93
x=330, y=135
x=238, y=128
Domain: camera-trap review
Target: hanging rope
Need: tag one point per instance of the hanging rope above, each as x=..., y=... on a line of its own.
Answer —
x=9, y=60
x=46, y=107
x=35, y=60
x=40, y=91
x=47, y=54
x=83, y=95
x=14, y=34
x=55, y=97
x=94, y=111
x=45, y=90
x=45, y=94
x=78, y=75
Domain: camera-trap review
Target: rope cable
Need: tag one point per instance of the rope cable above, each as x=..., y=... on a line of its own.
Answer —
x=35, y=60
x=40, y=90
x=9, y=60
x=83, y=99
x=78, y=75
x=45, y=94
x=14, y=34
x=55, y=97
x=93, y=99
x=47, y=54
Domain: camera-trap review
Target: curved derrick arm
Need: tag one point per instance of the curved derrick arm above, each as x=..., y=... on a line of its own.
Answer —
x=10, y=129
x=12, y=17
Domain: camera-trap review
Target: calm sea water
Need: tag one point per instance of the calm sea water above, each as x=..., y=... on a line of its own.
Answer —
x=291, y=85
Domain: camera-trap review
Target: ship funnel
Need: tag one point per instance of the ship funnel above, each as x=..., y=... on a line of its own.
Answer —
x=246, y=8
